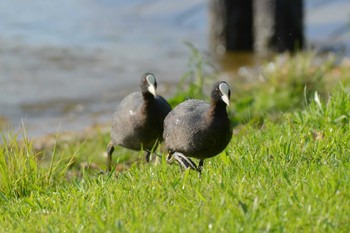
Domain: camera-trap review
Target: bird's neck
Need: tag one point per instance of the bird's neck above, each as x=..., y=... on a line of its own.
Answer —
x=217, y=108
x=148, y=97
x=148, y=102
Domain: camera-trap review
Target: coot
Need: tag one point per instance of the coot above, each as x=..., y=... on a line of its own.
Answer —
x=198, y=129
x=138, y=120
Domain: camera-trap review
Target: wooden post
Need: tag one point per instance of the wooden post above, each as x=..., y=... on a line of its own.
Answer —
x=231, y=23
x=262, y=26
x=278, y=25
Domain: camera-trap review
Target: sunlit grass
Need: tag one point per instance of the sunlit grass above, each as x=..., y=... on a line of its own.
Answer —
x=288, y=83
x=20, y=170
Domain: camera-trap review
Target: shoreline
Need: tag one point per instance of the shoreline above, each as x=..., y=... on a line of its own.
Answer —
x=50, y=140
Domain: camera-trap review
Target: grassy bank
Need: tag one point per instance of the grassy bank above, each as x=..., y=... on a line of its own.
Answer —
x=286, y=168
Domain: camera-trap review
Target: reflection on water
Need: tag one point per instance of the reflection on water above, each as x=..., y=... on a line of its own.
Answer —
x=69, y=62
x=231, y=62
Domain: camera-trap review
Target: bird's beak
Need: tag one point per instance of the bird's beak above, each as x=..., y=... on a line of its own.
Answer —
x=152, y=89
x=225, y=98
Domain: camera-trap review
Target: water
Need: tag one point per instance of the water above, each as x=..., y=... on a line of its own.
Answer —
x=328, y=24
x=66, y=64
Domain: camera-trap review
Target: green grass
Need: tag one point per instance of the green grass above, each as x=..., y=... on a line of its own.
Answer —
x=287, y=84
x=287, y=173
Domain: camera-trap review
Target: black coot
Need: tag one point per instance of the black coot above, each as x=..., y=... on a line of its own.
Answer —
x=138, y=120
x=198, y=129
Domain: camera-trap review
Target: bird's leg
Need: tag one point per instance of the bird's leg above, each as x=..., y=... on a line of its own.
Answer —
x=110, y=149
x=147, y=155
x=200, y=165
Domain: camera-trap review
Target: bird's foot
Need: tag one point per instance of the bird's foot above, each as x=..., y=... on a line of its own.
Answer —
x=183, y=161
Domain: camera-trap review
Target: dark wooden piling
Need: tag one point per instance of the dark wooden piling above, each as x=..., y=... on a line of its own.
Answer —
x=261, y=26
x=231, y=25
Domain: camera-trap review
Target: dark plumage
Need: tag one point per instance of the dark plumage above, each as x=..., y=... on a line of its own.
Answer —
x=138, y=120
x=198, y=129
